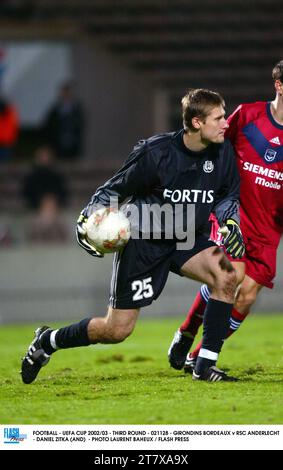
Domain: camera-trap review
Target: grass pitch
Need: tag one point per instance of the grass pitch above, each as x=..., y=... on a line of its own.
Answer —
x=131, y=383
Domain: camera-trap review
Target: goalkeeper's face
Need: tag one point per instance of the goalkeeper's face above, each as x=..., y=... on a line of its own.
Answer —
x=213, y=127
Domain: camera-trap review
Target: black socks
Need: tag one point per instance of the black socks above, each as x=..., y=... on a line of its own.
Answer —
x=215, y=327
x=71, y=336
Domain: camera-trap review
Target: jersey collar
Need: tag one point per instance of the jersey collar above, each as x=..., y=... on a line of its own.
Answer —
x=271, y=118
x=178, y=138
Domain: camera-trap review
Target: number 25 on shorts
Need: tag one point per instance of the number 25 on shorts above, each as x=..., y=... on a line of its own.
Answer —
x=143, y=289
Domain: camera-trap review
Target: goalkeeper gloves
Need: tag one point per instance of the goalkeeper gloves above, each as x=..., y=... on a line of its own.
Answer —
x=82, y=239
x=233, y=239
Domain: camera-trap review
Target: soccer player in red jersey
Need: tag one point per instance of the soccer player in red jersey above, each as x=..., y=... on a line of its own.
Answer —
x=256, y=133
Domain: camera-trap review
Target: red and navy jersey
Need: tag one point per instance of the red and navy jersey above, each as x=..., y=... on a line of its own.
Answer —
x=258, y=144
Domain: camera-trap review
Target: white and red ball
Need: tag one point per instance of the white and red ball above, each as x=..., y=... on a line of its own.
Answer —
x=108, y=230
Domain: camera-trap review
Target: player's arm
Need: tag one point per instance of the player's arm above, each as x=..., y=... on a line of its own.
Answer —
x=227, y=208
x=137, y=176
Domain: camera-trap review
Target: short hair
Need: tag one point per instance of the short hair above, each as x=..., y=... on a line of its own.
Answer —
x=277, y=71
x=198, y=103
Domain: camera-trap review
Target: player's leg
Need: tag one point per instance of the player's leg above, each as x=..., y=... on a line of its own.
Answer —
x=246, y=296
x=127, y=295
x=116, y=326
x=185, y=335
x=260, y=262
x=212, y=267
x=194, y=317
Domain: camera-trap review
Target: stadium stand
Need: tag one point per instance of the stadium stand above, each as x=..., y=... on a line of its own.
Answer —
x=175, y=43
x=172, y=43
x=83, y=178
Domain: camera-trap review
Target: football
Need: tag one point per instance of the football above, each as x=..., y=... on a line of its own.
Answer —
x=108, y=230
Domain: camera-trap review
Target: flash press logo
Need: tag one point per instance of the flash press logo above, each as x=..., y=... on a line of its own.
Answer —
x=13, y=436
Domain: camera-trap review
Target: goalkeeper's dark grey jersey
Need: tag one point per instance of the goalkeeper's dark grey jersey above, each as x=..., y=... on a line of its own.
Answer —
x=161, y=170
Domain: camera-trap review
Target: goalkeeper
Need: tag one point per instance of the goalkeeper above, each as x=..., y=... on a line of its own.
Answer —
x=194, y=166
x=256, y=133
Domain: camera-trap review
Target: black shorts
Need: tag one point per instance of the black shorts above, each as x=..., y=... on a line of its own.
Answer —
x=141, y=270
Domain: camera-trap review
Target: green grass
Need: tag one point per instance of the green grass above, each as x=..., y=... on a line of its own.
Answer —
x=131, y=383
